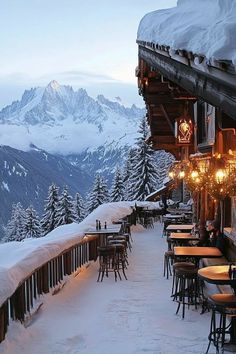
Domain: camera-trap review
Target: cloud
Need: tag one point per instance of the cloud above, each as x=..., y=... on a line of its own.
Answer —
x=76, y=75
x=63, y=139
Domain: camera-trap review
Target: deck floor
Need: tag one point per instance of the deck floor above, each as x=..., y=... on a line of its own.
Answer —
x=124, y=317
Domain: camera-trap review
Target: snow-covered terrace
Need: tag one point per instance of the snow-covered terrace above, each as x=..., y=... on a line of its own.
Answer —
x=19, y=259
x=130, y=317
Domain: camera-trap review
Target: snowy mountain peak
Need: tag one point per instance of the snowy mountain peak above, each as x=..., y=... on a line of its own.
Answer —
x=51, y=117
x=54, y=85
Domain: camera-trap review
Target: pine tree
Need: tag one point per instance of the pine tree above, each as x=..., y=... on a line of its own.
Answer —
x=65, y=209
x=15, y=227
x=117, y=189
x=79, y=208
x=32, y=223
x=127, y=172
x=164, y=161
x=143, y=180
x=48, y=221
x=98, y=195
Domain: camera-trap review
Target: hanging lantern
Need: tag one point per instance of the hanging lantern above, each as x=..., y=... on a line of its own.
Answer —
x=217, y=174
x=183, y=130
x=222, y=174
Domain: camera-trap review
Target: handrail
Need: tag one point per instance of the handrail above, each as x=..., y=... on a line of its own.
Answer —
x=44, y=278
x=47, y=276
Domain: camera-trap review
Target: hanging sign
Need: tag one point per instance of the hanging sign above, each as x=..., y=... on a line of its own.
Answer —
x=183, y=130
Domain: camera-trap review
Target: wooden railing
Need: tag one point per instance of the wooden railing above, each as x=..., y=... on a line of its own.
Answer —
x=49, y=275
x=44, y=278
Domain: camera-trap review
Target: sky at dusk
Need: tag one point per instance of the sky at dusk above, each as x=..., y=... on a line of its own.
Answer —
x=85, y=44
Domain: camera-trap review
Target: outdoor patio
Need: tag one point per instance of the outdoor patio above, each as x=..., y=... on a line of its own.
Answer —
x=130, y=316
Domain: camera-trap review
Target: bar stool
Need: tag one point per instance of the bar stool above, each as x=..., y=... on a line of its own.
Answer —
x=107, y=262
x=168, y=261
x=222, y=305
x=178, y=265
x=186, y=288
x=121, y=257
x=128, y=239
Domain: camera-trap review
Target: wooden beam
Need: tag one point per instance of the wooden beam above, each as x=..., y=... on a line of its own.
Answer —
x=167, y=119
x=217, y=92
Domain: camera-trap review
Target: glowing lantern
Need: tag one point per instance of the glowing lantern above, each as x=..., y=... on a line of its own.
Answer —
x=183, y=130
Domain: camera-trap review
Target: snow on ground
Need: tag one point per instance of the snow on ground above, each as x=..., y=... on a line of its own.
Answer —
x=129, y=317
x=19, y=259
x=204, y=27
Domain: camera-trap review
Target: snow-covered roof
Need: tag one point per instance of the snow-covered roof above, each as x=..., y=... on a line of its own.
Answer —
x=167, y=182
x=203, y=27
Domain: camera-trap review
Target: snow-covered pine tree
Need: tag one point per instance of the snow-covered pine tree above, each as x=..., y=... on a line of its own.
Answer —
x=105, y=190
x=32, y=223
x=48, y=221
x=79, y=208
x=65, y=213
x=127, y=172
x=98, y=195
x=144, y=178
x=15, y=227
x=117, y=189
x=164, y=161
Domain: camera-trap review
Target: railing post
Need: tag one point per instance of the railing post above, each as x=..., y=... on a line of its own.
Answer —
x=4, y=320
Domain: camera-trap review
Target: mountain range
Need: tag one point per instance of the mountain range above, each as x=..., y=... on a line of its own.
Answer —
x=61, y=120
x=56, y=134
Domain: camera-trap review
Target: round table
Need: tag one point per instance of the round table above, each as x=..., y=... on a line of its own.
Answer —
x=220, y=275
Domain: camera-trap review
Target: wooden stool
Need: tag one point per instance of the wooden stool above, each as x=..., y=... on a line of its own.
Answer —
x=178, y=265
x=186, y=289
x=223, y=305
x=168, y=261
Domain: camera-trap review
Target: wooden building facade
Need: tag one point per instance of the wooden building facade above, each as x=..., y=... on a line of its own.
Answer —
x=191, y=111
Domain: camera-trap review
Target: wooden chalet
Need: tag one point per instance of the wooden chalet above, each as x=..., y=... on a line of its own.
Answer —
x=191, y=111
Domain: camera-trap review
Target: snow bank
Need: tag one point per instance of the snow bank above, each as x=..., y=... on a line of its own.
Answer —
x=19, y=259
x=205, y=27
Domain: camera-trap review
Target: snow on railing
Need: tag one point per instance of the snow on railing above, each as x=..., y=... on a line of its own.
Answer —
x=33, y=267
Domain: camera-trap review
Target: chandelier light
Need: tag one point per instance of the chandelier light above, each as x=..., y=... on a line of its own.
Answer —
x=217, y=174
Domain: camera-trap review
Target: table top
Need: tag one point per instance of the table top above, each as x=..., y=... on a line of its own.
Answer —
x=109, y=230
x=183, y=236
x=173, y=216
x=179, y=211
x=216, y=274
x=175, y=227
x=194, y=251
